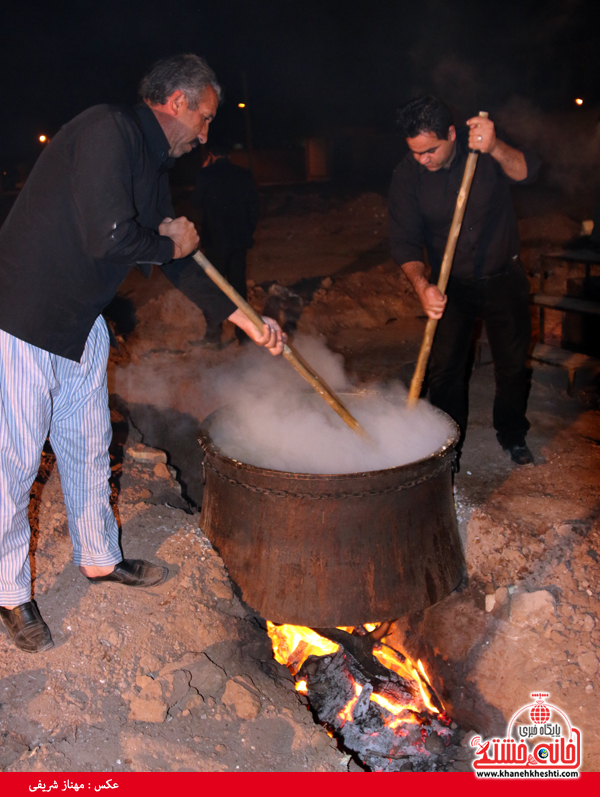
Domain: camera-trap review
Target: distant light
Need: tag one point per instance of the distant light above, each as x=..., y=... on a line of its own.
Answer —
x=578, y=101
x=241, y=104
x=43, y=139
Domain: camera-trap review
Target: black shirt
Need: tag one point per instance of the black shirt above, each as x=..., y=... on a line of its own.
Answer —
x=228, y=197
x=88, y=213
x=421, y=207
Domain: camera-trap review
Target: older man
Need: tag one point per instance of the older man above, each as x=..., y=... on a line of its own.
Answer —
x=487, y=279
x=96, y=204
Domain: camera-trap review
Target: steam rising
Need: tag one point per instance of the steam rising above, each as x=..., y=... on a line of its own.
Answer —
x=274, y=422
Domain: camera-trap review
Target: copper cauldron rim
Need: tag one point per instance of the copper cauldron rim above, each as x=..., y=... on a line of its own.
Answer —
x=212, y=449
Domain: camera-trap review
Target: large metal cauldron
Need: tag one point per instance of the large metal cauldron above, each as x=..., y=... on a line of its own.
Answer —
x=322, y=550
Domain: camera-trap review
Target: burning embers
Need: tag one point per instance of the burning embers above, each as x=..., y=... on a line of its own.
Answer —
x=380, y=703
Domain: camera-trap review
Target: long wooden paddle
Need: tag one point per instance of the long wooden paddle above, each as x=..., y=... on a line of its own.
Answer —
x=292, y=356
x=459, y=212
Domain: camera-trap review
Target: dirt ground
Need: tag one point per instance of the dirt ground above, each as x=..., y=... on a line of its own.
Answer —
x=181, y=676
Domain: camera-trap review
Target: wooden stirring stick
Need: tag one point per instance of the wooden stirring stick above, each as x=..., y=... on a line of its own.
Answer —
x=301, y=366
x=459, y=212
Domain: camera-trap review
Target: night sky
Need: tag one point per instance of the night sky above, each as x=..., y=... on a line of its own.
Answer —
x=311, y=65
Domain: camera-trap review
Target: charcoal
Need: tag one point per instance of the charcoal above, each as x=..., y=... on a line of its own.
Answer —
x=331, y=687
x=361, y=650
x=363, y=704
x=399, y=691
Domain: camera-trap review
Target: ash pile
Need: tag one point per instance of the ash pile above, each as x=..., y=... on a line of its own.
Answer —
x=380, y=706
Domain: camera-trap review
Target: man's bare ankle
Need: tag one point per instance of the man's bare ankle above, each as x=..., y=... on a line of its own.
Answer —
x=94, y=571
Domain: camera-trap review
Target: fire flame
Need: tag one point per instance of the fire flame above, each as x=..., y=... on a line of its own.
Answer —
x=394, y=661
x=397, y=709
x=426, y=699
x=404, y=667
x=349, y=629
x=293, y=644
x=346, y=714
x=425, y=693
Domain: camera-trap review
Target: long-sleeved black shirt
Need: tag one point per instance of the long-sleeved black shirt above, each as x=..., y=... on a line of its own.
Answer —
x=421, y=207
x=228, y=197
x=88, y=213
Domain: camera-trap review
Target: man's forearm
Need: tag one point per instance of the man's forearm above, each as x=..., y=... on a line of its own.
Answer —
x=512, y=161
x=482, y=137
x=415, y=271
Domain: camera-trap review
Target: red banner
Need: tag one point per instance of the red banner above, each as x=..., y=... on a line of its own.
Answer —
x=173, y=784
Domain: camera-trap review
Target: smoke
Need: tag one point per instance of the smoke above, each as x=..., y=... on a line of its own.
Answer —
x=567, y=144
x=272, y=418
x=273, y=421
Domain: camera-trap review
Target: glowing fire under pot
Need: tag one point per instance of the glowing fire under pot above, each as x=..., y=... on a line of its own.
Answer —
x=375, y=698
x=334, y=550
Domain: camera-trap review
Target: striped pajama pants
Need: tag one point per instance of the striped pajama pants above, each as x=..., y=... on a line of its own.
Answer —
x=43, y=394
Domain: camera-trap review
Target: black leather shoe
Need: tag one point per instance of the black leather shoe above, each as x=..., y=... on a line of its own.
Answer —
x=520, y=453
x=134, y=573
x=26, y=628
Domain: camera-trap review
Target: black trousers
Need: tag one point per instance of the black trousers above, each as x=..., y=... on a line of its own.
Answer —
x=502, y=303
x=231, y=263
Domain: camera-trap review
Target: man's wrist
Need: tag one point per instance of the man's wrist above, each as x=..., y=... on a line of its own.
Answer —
x=497, y=150
x=422, y=286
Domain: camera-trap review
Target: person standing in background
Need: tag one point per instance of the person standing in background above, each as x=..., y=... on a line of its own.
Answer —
x=227, y=195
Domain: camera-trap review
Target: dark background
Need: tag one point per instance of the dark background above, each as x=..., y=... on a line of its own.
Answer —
x=312, y=66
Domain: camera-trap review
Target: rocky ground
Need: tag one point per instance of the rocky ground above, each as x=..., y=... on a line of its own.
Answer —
x=178, y=677
x=181, y=677
x=529, y=618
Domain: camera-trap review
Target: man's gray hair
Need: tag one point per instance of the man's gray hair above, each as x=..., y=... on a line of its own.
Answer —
x=187, y=72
